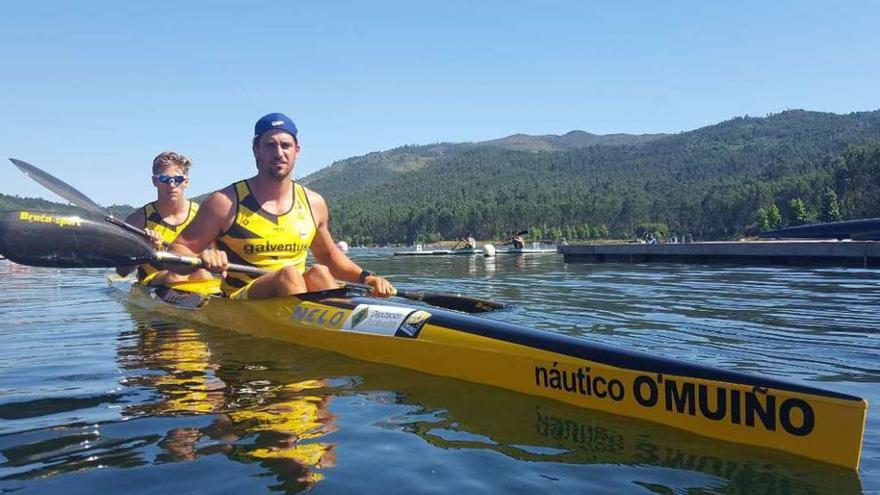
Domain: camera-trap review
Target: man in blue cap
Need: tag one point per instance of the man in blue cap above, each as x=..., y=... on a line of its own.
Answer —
x=268, y=221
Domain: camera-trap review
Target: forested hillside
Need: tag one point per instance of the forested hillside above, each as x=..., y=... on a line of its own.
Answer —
x=739, y=176
x=358, y=174
x=8, y=202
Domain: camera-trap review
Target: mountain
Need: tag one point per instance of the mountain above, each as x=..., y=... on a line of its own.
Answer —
x=709, y=182
x=743, y=175
x=570, y=140
x=9, y=202
x=361, y=173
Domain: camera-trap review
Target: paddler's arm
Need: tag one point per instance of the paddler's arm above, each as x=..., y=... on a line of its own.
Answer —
x=214, y=217
x=327, y=253
x=139, y=220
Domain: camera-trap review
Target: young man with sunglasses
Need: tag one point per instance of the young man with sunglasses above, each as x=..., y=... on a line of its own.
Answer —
x=269, y=221
x=165, y=218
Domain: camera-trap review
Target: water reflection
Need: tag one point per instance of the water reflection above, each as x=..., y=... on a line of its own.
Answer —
x=278, y=424
x=472, y=264
x=180, y=371
x=490, y=265
x=543, y=431
x=225, y=412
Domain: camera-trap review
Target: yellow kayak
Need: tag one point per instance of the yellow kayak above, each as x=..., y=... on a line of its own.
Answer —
x=819, y=424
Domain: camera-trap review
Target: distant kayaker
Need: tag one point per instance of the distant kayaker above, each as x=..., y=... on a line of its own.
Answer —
x=271, y=222
x=517, y=241
x=466, y=242
x=165, y=218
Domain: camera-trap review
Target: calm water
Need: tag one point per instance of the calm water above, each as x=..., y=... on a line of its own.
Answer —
x=99, y=397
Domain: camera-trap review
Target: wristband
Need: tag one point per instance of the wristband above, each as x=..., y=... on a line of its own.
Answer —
x=364, y=274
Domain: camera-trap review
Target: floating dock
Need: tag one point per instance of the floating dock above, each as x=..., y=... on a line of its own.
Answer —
x=798, y=253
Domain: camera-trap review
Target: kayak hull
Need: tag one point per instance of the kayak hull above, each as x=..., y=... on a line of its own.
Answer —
x=440, y=252
x=527, y=251
x=823, y=425
x=468, y=252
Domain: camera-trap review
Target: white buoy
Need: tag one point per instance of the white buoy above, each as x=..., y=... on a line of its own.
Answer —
x=488, y=250
x=343, y=246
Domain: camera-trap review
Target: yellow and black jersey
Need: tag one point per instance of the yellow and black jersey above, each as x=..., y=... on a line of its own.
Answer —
x=168, y=232
x=261, y=239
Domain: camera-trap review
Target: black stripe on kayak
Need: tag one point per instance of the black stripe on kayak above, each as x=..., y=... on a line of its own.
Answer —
x=606, y=354
x=234, y=282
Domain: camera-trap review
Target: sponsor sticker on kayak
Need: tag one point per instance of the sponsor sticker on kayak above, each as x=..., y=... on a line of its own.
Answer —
x=385, y=320
x=180, y=299
x=413, y=324
x=44, y=218
x=317, y=316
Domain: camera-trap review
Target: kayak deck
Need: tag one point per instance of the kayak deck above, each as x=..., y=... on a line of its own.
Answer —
x=819, y=424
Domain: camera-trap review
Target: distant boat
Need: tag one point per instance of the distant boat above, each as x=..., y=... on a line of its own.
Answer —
x=866, y=229
x=440, y=252
x=529, y=250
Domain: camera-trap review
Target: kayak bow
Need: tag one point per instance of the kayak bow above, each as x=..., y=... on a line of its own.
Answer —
x=810, y=422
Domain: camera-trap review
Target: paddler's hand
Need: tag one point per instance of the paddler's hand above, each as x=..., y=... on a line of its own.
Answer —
x=155, y=239
x=215, y=261
x=381, y=287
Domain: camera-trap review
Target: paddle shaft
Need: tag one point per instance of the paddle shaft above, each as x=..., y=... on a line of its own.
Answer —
x=131, y=228
x=165, y=257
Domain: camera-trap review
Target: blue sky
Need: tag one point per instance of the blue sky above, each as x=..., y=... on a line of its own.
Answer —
x=91, y=91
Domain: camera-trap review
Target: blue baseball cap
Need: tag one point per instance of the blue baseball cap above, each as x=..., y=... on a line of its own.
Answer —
x=272, y=121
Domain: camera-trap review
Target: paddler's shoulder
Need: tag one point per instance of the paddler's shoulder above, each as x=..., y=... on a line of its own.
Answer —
x=309, y=193
x=315, y=199
x=220, y=201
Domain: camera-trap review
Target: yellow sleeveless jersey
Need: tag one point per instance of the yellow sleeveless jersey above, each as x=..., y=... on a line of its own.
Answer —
x=261, y=239
x=167, y=231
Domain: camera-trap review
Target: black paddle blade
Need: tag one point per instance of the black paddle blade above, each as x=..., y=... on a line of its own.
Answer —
x=59, y=187
x=46, y=239
x=454, y=301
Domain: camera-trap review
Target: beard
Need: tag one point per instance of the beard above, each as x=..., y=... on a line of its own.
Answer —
x=279, y=175
x=271, y=171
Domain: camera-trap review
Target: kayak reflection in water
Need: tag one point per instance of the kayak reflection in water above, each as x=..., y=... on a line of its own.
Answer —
x=188, y=383
x=280, y=429
x=165, y=218
x=287, y=431
x=271, y=222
